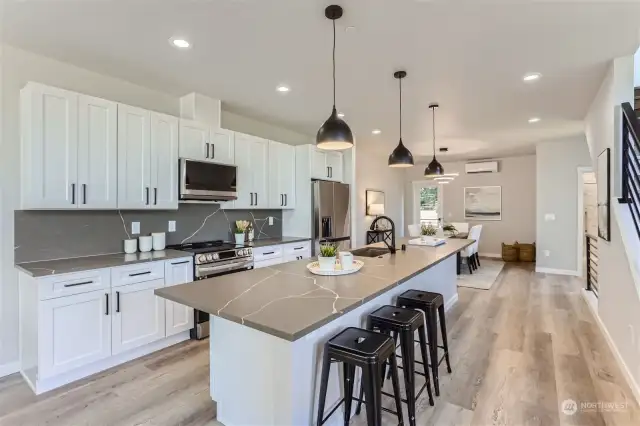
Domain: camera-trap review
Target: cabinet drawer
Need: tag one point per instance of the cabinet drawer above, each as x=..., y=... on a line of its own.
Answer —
x=265, y=263
x=74, y=283
x=138, y=273
x=297, y=248
x=267, y=253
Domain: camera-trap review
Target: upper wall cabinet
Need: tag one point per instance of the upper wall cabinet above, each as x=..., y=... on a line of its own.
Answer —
x=68, y=150
x=326, y=165
x=252, y=156
x=200, y=142
x=282, y=176
x=147, y=159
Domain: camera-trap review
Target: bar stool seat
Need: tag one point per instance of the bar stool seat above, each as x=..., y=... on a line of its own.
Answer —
x=357, y=347
x=432, y=304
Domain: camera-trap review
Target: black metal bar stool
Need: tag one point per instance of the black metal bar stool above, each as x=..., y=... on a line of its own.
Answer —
x=430, y=303
x=357, y=347
x=404, y=323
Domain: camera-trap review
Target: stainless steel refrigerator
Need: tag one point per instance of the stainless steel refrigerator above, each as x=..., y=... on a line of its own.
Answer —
x=331, y=214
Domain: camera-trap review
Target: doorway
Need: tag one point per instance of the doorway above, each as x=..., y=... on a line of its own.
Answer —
x=587, y=214
x=427, y=203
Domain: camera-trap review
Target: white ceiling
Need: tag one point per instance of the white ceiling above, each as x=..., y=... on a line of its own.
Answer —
x=468, y=56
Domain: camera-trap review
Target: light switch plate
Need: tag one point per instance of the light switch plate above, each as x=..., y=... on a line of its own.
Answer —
x=548, y=217
x=270, y=220
x=135, y=228
x=547, y=253
x=172, y=226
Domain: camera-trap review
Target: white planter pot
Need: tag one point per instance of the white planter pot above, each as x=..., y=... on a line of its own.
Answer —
x=239, y=239
x=326, y=263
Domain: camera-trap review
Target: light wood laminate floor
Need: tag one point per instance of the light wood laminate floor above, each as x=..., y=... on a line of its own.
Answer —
x=518, y=351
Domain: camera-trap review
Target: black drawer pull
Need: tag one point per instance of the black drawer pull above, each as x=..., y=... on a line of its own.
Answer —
x=298, y=248
x=181, y=263
x=106, y=305
x=140, y=273
x=269, y=252
x=77, y=284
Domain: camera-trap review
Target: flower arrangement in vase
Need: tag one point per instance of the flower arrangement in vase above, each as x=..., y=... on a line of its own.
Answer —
x=427, y=230
x=241, y=229
x=327, y=256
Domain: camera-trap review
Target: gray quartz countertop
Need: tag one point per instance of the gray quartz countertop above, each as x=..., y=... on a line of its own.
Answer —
x=78, y=264
x=273, y=241
x=289, y=302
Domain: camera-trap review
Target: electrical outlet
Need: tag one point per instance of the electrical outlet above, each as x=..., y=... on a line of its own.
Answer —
x=270, y=220
x=547, y=253
x=549, y=217
x=172, y=226
x=135, y=228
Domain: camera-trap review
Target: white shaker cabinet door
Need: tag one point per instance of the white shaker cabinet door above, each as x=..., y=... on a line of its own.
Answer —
x=178, y=317
x=194, y=140
x=244, y=177
x=73, y=331
x=334, y=164
x=49, y=147
x=97, y=153
x=319, y=169
x=222, y=148
x=287, y=178
x=259, y=153
x=134, y=156
x=138, y=315
x=164, y=162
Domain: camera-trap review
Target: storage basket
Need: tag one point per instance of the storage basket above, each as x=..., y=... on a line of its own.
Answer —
x=510, y=252
x=527, y=252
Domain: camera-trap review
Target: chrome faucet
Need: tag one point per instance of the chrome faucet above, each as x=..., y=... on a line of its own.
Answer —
x=392, y=246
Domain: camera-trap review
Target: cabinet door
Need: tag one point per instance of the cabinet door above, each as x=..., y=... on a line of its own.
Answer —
x=334, y=162
x=194, y=140
x=179, y=317
x=134, y=155
x=73, y=331
x=164, y=161
x=97, y=153
x=244, y=179
x=259, y=153
x=222, y=146
x=319, y=164
x=138, y=316
x=287, y=178
x=49, y=147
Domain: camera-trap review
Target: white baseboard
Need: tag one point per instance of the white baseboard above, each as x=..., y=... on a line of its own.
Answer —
x=10, y=368
x=449, y=303
x=573, y=273
x=635, y=388
x=491, y=255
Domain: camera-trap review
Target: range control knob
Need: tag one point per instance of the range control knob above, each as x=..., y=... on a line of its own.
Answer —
x=209, y=257
x=242, y=252
x=202, y=258
x=248, y=252
x=216, y=256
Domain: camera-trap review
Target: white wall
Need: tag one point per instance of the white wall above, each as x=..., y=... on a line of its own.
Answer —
x=619, y=301
x=516, y=176
x=373, y=172
x=636, y=69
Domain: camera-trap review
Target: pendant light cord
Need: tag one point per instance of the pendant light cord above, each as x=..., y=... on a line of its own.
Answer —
x=334, y=64
x=433, y=127
x=400, y=81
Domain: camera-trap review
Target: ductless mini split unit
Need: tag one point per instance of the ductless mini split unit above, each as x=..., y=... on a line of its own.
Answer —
x=483, y=167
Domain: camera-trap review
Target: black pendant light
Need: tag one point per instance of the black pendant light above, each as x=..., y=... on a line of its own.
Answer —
x=434, y=168
x=334, y=134
x=401, y=156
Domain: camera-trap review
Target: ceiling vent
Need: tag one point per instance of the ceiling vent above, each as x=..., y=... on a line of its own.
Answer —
x=484, y=167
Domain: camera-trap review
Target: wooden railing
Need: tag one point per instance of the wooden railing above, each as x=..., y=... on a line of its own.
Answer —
x=592, y=263
x=631, y=163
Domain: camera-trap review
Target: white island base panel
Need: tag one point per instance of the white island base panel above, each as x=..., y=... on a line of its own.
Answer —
x=260, y=379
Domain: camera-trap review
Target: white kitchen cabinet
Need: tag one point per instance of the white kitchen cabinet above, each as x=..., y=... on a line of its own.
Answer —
x=164, y=161
x=73, y=331
x=134, y=157
x=49, y=147
x=282, y=175
x=138, y=316
x=252, y=156
x=178, y=317
x=200, y=142
x=326, y=165
x=334, y=163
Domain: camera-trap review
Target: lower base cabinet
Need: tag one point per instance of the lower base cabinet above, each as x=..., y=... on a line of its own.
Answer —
x=178, y=318
x=275, y=255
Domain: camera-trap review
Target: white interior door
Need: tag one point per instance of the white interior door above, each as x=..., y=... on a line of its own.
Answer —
x=427, y=203
x=164, y=161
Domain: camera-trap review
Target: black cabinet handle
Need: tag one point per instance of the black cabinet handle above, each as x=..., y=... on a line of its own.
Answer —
x=251, y=194
x=117, y=301
x=207, y=150
x=269, y=252
x=286, y=201
x=73, y=193
x=298, y=248
x=181, y=263
x=155, y=196
x=327, y=171
x=106, y=309
x=330, y=171
x=213, y=151
x=147, y=190
x=256, y=198
x=140, y=273
x=84, y=193
x=77, y=284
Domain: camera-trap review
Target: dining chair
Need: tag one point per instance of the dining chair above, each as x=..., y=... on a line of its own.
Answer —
x=414, y=230
x=471, y=253
x=461, y=227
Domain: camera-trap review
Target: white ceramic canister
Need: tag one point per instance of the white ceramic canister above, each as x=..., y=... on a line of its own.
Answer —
x=158, y=240
x=130, y=246
x=346, y=260
x=145, y=243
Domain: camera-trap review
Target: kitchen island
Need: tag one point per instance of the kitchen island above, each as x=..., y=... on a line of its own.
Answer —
x=269, y=325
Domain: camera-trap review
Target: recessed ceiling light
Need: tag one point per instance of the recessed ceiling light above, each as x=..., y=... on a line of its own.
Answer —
x=533, y=76
x=180, y=43
x=376, y=131
x=283, y=89
x=534, y=120
x=341, y=114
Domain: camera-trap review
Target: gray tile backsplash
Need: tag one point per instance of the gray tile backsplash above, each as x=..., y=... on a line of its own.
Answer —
x=52, y=234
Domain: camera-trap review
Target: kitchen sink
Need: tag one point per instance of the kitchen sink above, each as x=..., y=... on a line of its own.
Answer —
x=370, y=251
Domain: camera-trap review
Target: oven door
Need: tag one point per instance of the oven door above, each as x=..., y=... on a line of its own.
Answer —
x=204, y=181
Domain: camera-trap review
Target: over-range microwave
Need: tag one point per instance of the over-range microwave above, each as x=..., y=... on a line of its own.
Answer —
x=203, y=181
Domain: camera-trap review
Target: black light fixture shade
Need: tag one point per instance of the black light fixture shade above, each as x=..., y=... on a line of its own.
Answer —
x=434, y=168
x=401, y=156
x=334, y=134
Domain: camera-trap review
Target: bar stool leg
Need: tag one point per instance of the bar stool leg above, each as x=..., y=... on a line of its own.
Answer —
x=425, y=360
x=432, y=335
x=324, y=382
x=396, y=387
x=349, y=376
x=443, y=330
x=408, y=368
x=373, y=394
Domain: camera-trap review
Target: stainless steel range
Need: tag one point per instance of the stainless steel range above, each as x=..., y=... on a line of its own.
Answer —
x=211, y=259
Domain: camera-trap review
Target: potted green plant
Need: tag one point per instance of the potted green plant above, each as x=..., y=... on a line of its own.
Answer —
x=327, y=256
x=427, y=230
x=241, y=229
x=449, y=229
